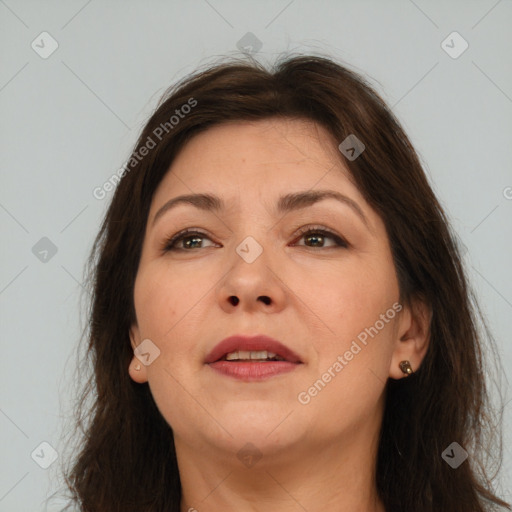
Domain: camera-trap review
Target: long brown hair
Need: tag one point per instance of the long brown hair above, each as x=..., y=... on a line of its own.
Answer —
x=126, y=461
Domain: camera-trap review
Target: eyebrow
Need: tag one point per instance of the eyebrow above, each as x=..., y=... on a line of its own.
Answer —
x=285, y=204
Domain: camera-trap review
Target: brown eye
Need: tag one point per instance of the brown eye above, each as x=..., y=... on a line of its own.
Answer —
x=318, y=236
x=191, y=239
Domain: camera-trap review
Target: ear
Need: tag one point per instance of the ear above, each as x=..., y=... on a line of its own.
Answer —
x=140, y=376
x=412, y=336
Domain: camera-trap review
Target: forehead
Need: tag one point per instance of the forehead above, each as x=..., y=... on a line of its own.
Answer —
x=277, y=134
x=262, y=156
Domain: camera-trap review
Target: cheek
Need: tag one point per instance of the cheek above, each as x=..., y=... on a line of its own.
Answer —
x=163, y=297
x=169, y=309
x=352, y=298
x=353, y=358
x=356, y=309
x=162, y=300
x=154, y=304
x=348, y=401
x=169, y=389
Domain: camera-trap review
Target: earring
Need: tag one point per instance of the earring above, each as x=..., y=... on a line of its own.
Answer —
x=137, y=367
x=405, y=366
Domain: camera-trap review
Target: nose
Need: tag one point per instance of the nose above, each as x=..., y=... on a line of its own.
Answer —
x=252, y=285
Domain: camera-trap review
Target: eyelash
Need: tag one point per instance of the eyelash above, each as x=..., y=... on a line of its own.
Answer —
x=170, y=244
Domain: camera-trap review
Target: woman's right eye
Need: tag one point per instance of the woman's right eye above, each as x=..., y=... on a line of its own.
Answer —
x=190, y=237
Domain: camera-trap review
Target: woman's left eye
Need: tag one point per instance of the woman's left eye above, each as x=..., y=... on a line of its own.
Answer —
x=318, y=235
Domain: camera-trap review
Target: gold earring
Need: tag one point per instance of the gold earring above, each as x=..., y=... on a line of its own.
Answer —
x=405, y=366
x=137, y=367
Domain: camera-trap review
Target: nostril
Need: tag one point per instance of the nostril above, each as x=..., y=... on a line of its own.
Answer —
x=235, y=300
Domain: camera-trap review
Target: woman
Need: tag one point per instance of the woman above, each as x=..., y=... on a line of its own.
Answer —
x=280, y=317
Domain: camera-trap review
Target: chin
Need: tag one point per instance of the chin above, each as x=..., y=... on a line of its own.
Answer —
x=263, y=429
x=257, y=444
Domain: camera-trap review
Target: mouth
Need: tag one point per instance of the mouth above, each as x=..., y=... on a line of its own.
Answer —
x=257, y=348
x=260, y=356
x=252, y=358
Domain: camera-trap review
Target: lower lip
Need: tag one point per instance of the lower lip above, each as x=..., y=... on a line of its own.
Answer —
x=253, y=371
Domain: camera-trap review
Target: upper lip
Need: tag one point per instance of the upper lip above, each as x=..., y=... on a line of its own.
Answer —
x=257, y=342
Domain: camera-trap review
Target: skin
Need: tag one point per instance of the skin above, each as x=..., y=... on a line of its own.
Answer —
x=316, y=456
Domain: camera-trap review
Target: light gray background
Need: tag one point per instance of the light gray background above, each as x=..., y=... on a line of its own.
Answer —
x=68, y=123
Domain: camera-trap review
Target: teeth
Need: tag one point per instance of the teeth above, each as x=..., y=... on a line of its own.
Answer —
x=251, y=354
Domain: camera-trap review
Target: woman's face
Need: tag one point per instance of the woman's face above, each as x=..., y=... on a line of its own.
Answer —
x=315, y=293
